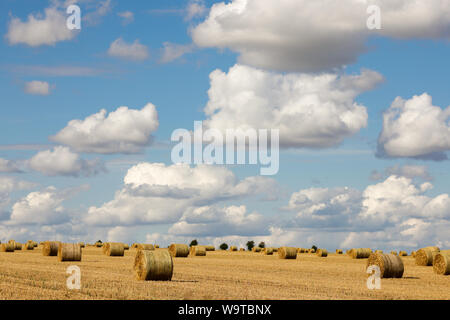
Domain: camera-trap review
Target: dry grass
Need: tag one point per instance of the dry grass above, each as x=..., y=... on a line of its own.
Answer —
x=219, y=275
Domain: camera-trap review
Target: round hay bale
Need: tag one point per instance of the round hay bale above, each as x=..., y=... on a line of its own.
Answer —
x=28, y=246
x=50, y=248
x=156, y=246
x=210, y=248
x=275, y=249
x=339, y=251
x=394, y=253
x=349, y=252
x=197, y=251
x=241, y=249
x=256, y=249
x=69, y=252
x=7, y=247
x=82, y=245
x=268, y=251
x=378, y=251
x=391, y=266
x=424, y=256
x=413, y=254
x=287, y=253
x=115, y=249
x=403, y=254
x=179, y=250
x=105, y=247
x=233, y=248
x=126, y=246
x=312, y=251
x=134, y=246
x=153, y=265
x=322, y=253
x=144, y=246
x=361, y=253
x=441, y=263
x=98, y=244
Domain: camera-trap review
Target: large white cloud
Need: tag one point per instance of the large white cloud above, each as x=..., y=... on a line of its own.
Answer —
x=129, y=51
x=304, y=35
x=309, y=110
x=43, y=207
x=158, y=194
x=415, y=128
x=121, y=131
x=62, y=161
x=7, y=186
x=38, y=30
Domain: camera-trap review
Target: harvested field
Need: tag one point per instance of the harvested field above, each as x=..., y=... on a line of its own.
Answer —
x=218, y=275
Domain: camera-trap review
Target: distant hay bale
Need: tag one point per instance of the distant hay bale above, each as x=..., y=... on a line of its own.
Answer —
x=115, y=249
x=98, y=244
x=349, y=252
x=394, y=253
x=361, y=253
x=391, y=266
x=339, y=251
x=210, y=248
x=233, y=248
x=301, y=250
x=441, y=263
x=275, y=249
x=312, y=250
x=50, y=248
x=197, y=251
x=287, y=253
x=403, y=254
x=268, y=251
x=35, y=244
x=156, y=246
x=7, y=247
x=256, y=249
x=413, y=254
x=134, y=246
x=153, y=265
x=69, y=252
x=179, y=250
x=378, y=251
x=82, y=244
x=424, y=256
x=17, y=245
x=28, y=246
x=322, y=253
x=126, y=246
x=144, y=246
x=241, y=249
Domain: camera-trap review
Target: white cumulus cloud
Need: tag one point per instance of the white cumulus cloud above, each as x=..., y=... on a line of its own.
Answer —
x=35, y=87
x=129, y=51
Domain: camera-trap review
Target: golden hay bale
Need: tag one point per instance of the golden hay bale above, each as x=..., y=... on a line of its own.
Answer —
x=349, y=252
x=378, y=251
x=339, y=251
x=403, y=254
x=179, y=250
x=156, y=246
x=241, y=249
x=256, y=249
x=233, y=248
x=126, y=246
x=413, y=254
x=268, y=251
x=99, y=244
x=275, y=249
x=210, y=248
x=35, y=244
x=134, y=246
x=391, y=266
x=153, y=265
x=394, y=253
x=82, y=244
x=17, y=245
x=198, y=251
x=144, y=246
x=115, y=249
x=69, y=252
x=287, y=253
x=7, y=247
x=361, y=253
x=301, y=250
x=424, y=256
x=50, y=248
x=322, y=253
x=28, y=246
x=441, y=262
x=312, y=251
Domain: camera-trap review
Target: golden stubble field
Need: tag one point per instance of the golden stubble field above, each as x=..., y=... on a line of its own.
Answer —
x=218, y=276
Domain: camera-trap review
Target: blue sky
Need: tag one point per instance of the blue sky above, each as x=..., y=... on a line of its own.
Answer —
x=306, y=203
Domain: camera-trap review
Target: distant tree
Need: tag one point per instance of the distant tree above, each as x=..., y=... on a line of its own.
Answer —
x=250, y=245
x=314, y=247
x=193, y=243
x=223, y=246
x=99, y=241
x=262, y=245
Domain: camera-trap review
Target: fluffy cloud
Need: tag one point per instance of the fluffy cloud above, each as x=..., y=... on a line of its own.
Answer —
x=129, y=51
x=151, y=193
x=121, y=131
x=38, y=30
x=8, y=185
x=8, y=166
x=315, y=111
x=195, y=9
x=62, y=161
x=40, y=88
x=217, y=222
x=415, y=128
x=173, y=51
x=43, y=207
x=408, y=171
x=304, y=35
